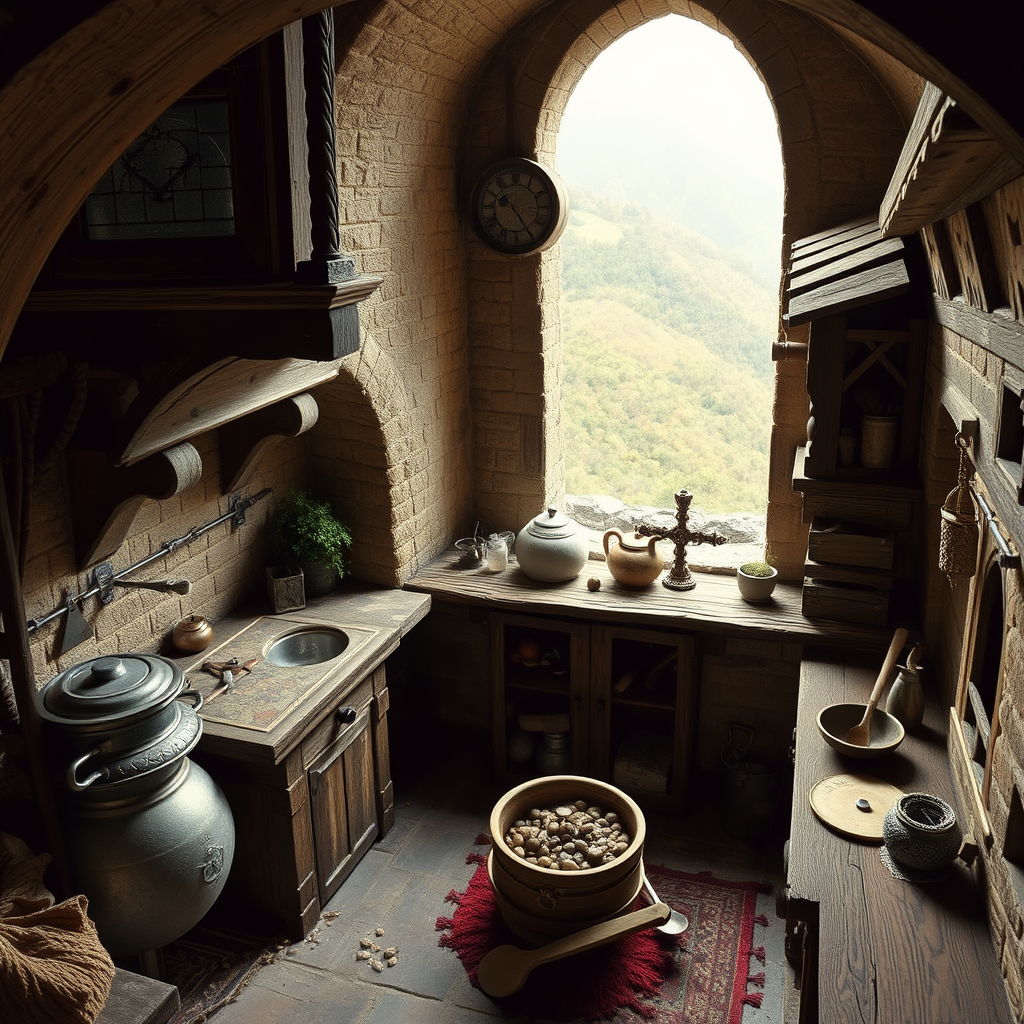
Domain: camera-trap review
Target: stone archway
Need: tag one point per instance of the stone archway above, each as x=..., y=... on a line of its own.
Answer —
x=513, y=304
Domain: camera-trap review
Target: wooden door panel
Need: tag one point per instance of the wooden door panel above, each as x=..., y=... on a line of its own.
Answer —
x=343, y=804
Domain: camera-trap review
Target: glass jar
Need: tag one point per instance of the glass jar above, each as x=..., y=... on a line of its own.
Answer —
x=553, y=755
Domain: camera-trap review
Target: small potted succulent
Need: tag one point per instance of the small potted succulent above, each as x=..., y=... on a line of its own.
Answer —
x=305, y=529
x=756, y=581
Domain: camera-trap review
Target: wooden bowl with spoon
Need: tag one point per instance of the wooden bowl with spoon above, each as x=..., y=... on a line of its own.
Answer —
x=860, y=730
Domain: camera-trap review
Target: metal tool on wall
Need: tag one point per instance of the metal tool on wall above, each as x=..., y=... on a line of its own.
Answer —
x=104, y=578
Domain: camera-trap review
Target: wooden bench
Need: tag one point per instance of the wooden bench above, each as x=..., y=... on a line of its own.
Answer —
x=136, y=999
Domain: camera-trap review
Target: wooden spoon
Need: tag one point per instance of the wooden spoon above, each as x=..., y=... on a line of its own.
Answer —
x=505, y=969
x=860, y=735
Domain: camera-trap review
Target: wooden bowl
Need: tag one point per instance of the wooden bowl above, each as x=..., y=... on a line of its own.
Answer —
x=540, y=903
x=835, y=721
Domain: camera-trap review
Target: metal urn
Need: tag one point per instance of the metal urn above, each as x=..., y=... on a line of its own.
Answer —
x=149, y=834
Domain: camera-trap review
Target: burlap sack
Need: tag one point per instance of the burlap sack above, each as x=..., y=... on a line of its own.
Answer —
x=53, y=969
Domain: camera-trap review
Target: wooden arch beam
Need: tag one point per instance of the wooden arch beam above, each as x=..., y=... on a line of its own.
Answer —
x=67, y=115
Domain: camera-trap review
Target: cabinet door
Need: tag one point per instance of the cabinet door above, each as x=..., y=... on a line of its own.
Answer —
x=643, y=711
x=540, y=671
x=343, y=802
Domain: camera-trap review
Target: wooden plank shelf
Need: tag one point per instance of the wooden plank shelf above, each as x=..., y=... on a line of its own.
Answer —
x=714, y=606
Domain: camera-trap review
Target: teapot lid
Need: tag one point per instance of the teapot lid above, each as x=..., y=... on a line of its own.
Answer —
x=552, y=525
x=110, y=688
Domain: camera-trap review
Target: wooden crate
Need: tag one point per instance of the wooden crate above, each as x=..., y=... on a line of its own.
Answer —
x=845, y=543
x=845, y=602
x=824, y=571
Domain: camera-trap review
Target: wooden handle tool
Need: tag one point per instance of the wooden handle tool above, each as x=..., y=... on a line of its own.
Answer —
x=860, y=735
x=505, y=969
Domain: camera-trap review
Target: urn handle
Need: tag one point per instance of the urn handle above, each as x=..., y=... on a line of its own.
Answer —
x=72, y=773
x=608, y=536
x=194, y=695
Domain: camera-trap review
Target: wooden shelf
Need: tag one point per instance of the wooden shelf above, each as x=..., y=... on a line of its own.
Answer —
x=262, y=298
x=713, y=606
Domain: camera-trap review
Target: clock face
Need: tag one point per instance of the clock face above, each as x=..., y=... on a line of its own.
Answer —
x=518, y=207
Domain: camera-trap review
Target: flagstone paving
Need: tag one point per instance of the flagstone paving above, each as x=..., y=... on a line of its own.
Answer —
x=400, y=887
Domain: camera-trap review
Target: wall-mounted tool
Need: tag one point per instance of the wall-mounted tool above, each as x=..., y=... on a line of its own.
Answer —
x=104, y=578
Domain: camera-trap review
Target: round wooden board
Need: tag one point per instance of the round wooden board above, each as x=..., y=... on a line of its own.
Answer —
x=834, y=801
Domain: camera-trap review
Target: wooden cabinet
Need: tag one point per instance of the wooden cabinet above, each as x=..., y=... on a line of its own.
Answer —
x=303, y=823
x=626, y=697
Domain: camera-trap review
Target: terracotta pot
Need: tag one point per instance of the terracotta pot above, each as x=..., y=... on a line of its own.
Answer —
x=634, y=561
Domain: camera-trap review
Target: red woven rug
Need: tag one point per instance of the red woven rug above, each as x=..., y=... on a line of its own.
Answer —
x=703, y=976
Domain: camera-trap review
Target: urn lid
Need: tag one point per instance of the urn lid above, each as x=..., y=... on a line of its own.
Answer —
x=552, y=525
x=110, y=688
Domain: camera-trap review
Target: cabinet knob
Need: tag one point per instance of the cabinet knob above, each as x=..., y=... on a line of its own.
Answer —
x=346, y=715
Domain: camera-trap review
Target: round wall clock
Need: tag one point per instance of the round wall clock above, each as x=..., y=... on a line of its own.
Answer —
x=518, y=207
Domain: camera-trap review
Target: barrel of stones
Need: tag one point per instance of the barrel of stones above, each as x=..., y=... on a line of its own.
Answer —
x=539, y=903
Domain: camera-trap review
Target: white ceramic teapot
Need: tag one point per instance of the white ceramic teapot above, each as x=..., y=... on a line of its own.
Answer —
x=552, y=547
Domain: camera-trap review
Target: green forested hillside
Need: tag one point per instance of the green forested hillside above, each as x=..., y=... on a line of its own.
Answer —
x=668, y=363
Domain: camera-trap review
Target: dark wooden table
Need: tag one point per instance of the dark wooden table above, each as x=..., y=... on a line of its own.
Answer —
x=879, y=949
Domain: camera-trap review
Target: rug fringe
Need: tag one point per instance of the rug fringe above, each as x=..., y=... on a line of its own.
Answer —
x=443, y=922
x=758, y=953
x=752, y=999
x=761, y=919
x=756, y=979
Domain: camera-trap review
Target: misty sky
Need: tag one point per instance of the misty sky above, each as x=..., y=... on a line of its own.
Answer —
x=673, y=117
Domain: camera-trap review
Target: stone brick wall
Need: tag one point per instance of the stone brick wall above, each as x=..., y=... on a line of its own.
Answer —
x=224, y=565
x=973, y=358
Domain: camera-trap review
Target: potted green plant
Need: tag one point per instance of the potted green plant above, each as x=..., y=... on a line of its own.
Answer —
x=756, y=581
x=307, y=530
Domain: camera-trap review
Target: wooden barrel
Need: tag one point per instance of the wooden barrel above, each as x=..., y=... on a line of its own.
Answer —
x=540, y=904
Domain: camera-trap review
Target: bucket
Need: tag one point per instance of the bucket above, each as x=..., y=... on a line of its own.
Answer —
x=751, y=785
x=540, y=904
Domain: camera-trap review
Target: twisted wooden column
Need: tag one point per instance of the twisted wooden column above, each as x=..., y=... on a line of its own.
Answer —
x=326, y=264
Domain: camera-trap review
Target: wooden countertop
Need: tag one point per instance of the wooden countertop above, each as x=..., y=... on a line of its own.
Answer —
x=888, y=950
x=713, y=606
x=376, y=618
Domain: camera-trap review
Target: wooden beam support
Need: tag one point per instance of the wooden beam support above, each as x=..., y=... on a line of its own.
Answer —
x=107, y=498
x=947, y=163
x=243, y=442
x=187, y=404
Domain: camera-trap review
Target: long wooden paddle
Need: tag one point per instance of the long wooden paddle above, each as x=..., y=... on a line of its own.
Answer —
x=860, y=734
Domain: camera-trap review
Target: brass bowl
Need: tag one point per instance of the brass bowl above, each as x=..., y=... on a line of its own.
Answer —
x=835, y=721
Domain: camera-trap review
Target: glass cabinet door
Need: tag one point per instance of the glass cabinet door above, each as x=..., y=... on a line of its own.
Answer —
x=540, y=671
x=643, y=711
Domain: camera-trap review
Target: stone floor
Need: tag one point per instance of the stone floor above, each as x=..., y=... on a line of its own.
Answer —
x=400, y=886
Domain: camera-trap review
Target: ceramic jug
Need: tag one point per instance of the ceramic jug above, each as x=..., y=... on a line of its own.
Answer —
x=634, y=561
